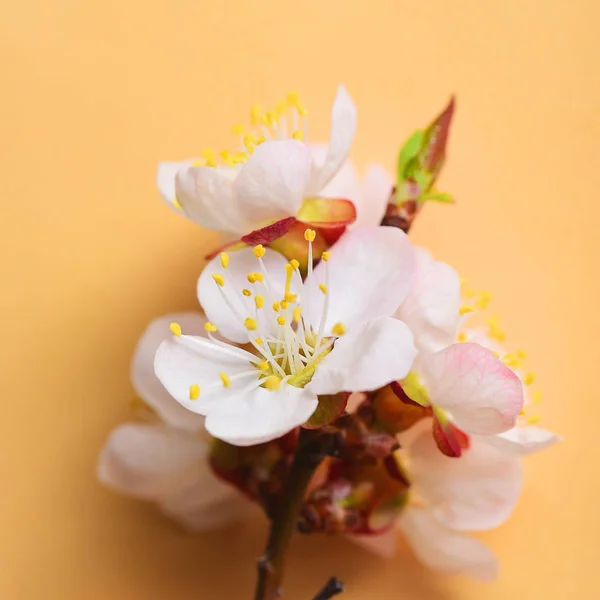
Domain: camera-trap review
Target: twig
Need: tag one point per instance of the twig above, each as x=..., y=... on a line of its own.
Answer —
x=332, y=588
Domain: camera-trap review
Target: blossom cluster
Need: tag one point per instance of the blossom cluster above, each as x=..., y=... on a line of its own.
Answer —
x=319, y=314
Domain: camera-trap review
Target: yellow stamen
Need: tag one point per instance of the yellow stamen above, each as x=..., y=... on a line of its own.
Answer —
x=297, y=314
x=298, y=135
x=177, y=204
x=238, y=129
x=295, y=264
x=225, y=379
x=246, y=292
x=259, y=251
x=259, y=341
x=250, y=324
x=533, y=419
x=255, y=114
x=293, y=99
x=495, y=332
x=338, y=329
x=463, y=282
x=284, y=304
x=224, y=259
x=254, y=277
x=323, y=288
x=194, y=391
x=259, y=301
x=281, y=320
x=263, y=366
x=484, y=299
x=276, y=306
x=528, y=378
x=210, y=327
x=462, y=337
x=219, y=279
x=536, y=397
x=463, y=310
x=227, y=157
x=325, y=256
x=175, y=329
x=310, y=235
x=272, y=383
x=521, y=354
x=239, y=157
x=289, y=297
x=469, y=292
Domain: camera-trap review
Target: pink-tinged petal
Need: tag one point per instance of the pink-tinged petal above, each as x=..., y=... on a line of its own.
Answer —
x=371, y=271
x=260, y=415
x=150, y=461
x=241, y=263
x=343, y=128
x=382, y=544
x=480, y=392
x=442, y=549
x=165, y=180
x=522, y=441
x=272, y=184
x=432, y=307
x=146, y=383
x=269, y=233
x=477, y=491
x=206, y=197
x=367, y=357
x=186, y=361
x=327, y=212
x=376, y=190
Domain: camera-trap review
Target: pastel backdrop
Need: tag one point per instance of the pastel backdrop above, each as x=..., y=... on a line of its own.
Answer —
x=96, y=93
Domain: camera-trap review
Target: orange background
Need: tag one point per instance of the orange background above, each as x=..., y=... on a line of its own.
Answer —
x=95, y=93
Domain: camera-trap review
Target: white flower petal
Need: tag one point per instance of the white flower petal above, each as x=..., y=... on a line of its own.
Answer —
x=343, y=129
x=241, y=263
x=477, y=491
x=383, y=544
x=185, y=361
x=371, y=270
x=146, y=383
x=165, y=180
x=522, y=441
x=481, y=393
x=150, y=461
x=375, y=193
x=442, y=549
x=432, y=307
x=367, y=357
x=260, y=415
x=206, y=197
x=345, y=182
x=271, y=185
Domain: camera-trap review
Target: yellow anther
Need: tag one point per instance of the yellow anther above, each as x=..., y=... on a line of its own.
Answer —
x=276, y=306
x=175, y=329
x=536, y=397
x=263, y=366
x=325, y=256
x=271, y=117
x=238, y=129
x=297, y=315
x=259, y=251
x=199, y=163
x=250, y=323
x=289, y=271
x=239, y=158
x=177, y=204
x=310, y=235
x=246, y=292
x=463, y=282
x=511, y=361
x=462, y=337
x=495, y=354
x=484, y=299
x=338, y=329
x=272, y=383
x=323, y=288
x=255, y=114
x=464, y=310
x=227, y=157
x=254, y=277
x=533, y=419
x=495, y=332
x=224, y=259
x=528, y=378
x=219, y=279
x=258, y=341
x=284, y=304
x=281, y=320
x=293, y=99
x=209, y=327
x=521, y=354
x=259, y=301
x=469, y=293
x=289, y=297
x=295, y=264
x=298, y=135
x=250, y=142
x=208, y=154
x=225, y=379
x=522, y=412
x=194, y=391
x=261, y=139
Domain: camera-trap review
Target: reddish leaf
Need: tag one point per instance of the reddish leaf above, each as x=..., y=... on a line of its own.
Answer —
x=394, y=470
x=436, y=137
x=330, y=407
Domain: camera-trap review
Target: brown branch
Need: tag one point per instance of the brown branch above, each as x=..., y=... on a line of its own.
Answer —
x=332, y=588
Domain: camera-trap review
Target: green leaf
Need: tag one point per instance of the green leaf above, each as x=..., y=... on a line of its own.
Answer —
x=411, y=149
x=330, y=407
x=438, y=197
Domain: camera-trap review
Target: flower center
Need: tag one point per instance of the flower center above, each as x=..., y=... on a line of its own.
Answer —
x=289, y=119
x=288, y=347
